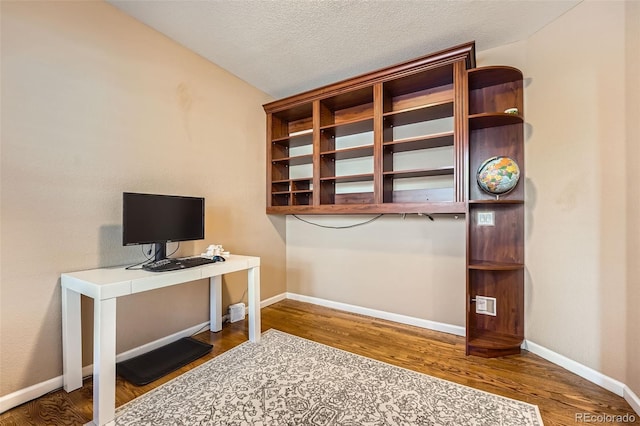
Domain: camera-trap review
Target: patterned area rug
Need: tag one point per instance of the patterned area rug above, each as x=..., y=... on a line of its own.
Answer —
x=287, y=380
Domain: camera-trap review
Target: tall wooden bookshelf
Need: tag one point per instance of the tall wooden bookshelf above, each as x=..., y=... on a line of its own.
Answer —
x=495, y=253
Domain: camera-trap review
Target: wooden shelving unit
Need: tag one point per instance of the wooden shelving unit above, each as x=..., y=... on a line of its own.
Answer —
x=346, y=137
x=291, y=146
x=390, y=141
x=495, y=254
x=410, y=139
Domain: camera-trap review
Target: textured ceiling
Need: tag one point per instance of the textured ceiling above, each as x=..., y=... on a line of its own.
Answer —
x=288, y=46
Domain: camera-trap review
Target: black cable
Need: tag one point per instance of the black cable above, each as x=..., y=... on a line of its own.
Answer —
x=173, y=252
x=147, y=258
x=339, y=227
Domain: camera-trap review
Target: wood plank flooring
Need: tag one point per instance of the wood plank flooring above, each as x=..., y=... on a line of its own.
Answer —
x=559, y=394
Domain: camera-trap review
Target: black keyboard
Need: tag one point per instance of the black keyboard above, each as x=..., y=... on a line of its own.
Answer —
x=176, y=264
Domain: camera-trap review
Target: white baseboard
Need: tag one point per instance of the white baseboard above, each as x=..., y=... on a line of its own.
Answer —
x=403, y=319
x=275, y=299
x=21, y=396
x=581, y=370
x=632, y=399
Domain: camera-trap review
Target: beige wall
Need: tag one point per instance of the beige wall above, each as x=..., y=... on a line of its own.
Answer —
x=412, y=267
x=93, y=104
x=576, y=193
x=579, y=301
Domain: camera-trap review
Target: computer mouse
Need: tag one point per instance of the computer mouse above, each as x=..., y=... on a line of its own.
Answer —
x=218, y=259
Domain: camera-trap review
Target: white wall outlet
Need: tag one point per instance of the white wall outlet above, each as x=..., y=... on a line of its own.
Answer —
x=486, y=305
x=486, y=219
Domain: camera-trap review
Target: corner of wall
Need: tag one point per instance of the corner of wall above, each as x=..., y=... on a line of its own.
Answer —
x=632, y=107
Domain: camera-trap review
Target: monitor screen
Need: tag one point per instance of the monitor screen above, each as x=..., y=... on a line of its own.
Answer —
x=151, y=218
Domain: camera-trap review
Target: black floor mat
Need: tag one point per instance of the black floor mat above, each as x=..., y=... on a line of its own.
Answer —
x=154, y=364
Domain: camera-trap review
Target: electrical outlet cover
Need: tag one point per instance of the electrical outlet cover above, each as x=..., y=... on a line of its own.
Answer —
x=236, y=312
x=486, y=305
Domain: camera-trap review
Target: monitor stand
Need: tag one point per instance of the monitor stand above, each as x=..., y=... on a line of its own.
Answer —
x=160, y=250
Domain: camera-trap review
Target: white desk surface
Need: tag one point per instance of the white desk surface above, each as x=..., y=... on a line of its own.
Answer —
x=107, y=283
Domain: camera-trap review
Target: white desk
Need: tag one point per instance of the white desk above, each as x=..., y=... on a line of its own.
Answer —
x=104, y=286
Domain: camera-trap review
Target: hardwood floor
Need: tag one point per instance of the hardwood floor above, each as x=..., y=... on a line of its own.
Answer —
x=559, y=394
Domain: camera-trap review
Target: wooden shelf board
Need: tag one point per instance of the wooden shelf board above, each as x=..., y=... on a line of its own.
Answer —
x=294, y=141
x=302, y=191
x=419, y=114
x=493, y=119
x=295, y=161
x=422, y=142
x=403, y=174
x=494, y=201
x=349, y=178
x=355, y=152
x=444, y=207
x=347, y=128
x=492, y=76
x=309, y=179
x=487, y=265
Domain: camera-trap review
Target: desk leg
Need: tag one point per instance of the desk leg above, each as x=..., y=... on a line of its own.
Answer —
x=104, y=361
x=215, y=303
x=71, y=340
x=253, y=283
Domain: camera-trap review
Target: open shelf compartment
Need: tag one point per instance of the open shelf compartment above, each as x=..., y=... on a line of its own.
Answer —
x=293, y=120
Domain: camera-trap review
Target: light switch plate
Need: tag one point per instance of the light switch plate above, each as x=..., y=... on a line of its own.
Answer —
x=486, y=219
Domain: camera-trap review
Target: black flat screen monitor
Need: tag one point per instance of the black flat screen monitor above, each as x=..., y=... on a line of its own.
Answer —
x=159, y=219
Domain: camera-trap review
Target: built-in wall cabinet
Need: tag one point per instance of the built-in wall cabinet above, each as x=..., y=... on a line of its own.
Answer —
x=391, y=141
x=410, y=139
